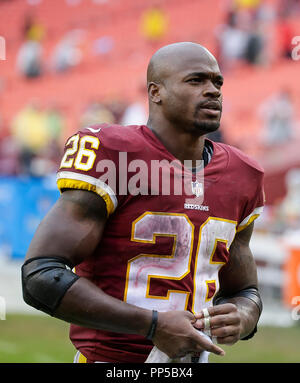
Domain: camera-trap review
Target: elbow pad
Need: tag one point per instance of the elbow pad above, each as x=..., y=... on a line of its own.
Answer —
x=45, y=280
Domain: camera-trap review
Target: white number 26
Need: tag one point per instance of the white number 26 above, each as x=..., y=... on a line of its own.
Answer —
x=176, y=266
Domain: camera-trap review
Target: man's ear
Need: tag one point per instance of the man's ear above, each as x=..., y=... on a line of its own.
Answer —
x=154, y=92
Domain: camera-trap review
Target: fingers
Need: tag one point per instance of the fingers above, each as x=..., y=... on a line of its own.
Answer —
x=226, y=335
x=177, y=337
x=219, y=316
x=224, y=322
x=206, y=344
x=219, y=321
x=218, y=310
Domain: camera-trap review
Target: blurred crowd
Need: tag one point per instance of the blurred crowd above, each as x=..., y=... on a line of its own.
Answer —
x=33, y=140
x=246, y=36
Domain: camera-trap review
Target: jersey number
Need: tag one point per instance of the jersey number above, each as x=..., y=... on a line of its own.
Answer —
x=85, y=158
x=144, y=267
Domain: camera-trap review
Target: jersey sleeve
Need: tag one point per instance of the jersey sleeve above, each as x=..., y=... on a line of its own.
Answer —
x=86, y=165
x=254, y=203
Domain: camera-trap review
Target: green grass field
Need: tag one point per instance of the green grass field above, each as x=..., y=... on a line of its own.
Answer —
x=42, y=339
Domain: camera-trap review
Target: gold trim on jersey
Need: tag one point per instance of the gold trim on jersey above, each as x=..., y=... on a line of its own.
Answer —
x=71, y=180
x=207, y=288
x=250, y=218
x=215, y=247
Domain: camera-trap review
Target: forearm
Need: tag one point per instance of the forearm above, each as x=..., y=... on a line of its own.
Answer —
x=49, y=285
x=87, y=305
x=239, y=285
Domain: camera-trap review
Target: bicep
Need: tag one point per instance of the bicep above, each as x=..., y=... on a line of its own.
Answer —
x=72, y=229
x=240, y=271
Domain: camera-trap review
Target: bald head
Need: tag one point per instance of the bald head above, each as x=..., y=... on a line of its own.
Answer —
x=176, y=57
x=184, y=89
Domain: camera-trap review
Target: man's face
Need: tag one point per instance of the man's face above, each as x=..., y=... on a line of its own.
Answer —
x=191, y=94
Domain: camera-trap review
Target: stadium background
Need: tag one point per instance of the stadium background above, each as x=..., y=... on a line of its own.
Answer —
x=69, y=63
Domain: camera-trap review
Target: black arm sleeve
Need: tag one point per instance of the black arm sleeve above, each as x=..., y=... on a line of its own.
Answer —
x=45, y=280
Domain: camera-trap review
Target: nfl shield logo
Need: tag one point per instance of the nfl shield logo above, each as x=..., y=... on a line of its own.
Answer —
x=197, y=188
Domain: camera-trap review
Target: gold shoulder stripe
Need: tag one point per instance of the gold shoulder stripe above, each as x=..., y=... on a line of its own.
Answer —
x=64, y=183
x=240, y=228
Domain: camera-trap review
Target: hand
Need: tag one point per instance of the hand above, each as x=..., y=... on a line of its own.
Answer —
x=176, y=336
x=225, y=323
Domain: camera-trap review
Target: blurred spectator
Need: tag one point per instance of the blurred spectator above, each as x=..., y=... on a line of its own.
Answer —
x=33, y=30
x=54, y=123
x=154, y=23
x=244, y=37
x=9, y=155
x=255, y=45
x=67, y=52
x=46, y=161
x=31, y=133
x=2, y=127
x=103, y=45
x=278, y=116
x=29, y=59
x=29, y=127
x=136, y=113
x=247, y=4
x=231, y=41
x=288, y=212
x=96, y=113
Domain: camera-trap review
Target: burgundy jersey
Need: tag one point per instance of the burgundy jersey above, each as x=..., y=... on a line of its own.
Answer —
x=160, y=250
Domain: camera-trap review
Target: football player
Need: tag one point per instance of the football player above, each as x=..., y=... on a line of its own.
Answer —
x=131, y=266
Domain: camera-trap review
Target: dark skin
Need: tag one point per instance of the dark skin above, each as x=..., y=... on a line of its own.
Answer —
x=74, y=226
x=178, y=94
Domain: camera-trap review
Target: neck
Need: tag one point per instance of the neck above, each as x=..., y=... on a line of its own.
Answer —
x=182, y=144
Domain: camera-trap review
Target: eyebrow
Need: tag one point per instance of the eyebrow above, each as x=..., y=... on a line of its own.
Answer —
x=205, y=75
